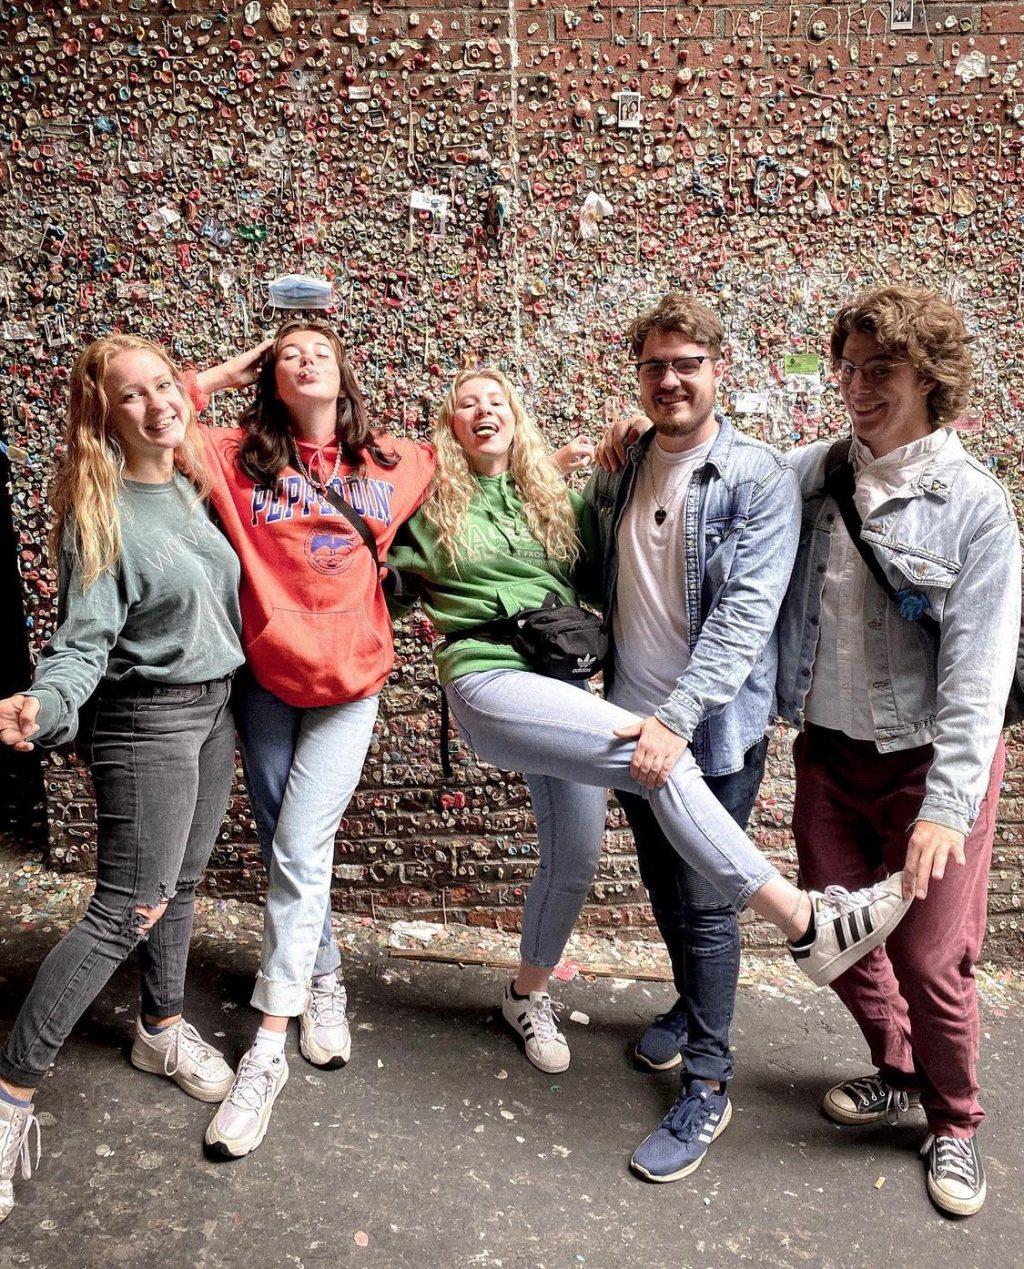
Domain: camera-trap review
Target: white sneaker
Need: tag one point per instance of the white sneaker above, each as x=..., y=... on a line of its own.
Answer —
x=324, y=1037
x=182, y=1054
x=847, y=925
x=534, y=1021
x=243, y=1118
x=16, y=1123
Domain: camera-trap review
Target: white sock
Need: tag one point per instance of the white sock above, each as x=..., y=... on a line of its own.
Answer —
x=325, y=981
x=268, y=1044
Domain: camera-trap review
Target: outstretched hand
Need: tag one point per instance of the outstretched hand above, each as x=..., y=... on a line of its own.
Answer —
x=18, y=721
x=579, y=453
x=928, y=852
x=237, y=372
x=658, y=749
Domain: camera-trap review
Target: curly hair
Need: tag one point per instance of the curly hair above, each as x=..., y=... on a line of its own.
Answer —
x=91, y=471
x=538, y=481
x=678, y=314
x=920, y=326
x=266, y=449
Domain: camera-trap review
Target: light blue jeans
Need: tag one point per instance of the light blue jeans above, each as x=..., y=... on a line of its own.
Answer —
x=327, y=747
x=525, y=722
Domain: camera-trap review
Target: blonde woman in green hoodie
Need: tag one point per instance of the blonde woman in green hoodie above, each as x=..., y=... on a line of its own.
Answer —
x=498, y=533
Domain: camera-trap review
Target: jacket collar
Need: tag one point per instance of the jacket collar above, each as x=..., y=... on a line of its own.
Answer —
x=718, y=455
x=941, y=471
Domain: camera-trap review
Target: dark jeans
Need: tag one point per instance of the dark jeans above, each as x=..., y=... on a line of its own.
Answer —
x=701, y=932
x=162, y=760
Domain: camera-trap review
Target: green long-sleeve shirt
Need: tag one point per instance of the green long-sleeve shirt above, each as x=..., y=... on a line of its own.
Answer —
x=166, y=613
x=501, y=570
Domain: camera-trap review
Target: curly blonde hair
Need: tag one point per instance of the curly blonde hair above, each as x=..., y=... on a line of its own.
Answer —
x=538, y=481
x=91, y=471
x=921, y=326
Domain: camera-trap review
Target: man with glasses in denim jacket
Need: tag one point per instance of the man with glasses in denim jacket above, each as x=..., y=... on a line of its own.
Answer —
x=699, y=530
x=899, y=757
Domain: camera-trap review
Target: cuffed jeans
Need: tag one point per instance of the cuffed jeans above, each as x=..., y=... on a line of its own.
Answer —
x=701, y=933
x=302, y=767
x=914, y=999
x=525, y=722
x=162, y=760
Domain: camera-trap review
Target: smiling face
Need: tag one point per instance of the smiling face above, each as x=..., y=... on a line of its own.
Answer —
x=681, y=407
x=484, y=425
x=148, y=413
x=887, y=400
x=306, y=371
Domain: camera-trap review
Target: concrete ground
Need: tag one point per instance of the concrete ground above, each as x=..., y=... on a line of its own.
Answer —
x=438, y=1145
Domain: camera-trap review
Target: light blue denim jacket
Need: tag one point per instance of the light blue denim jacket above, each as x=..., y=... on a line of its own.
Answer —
x=952, y=536
x=742, y=514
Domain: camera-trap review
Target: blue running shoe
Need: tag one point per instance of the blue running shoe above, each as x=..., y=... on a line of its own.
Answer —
x=679, y=1145
x=658, y=1049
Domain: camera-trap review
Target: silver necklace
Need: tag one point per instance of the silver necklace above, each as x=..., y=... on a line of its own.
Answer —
x=661, y=515
x=305, y=471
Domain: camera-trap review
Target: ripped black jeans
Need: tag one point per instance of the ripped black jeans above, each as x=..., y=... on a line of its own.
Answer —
x=162, y=760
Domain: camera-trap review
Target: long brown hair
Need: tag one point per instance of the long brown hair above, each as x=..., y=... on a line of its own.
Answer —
x=91, y=472
x=267, y=447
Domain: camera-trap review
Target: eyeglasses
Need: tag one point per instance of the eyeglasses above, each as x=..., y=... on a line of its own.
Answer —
x=683, y=367
x=874, y=372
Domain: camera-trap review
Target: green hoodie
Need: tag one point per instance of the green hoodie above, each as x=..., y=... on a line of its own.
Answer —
x=501, y=570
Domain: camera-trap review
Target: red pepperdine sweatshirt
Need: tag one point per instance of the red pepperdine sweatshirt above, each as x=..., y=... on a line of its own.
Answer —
x=315, y=627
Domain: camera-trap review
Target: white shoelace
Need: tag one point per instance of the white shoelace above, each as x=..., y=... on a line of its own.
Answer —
x=253, y=1085
x=954, y=1159
x=196, y=1048
x=327, y=1005
x=842, y=900
x=16, y=1149
x=871, y=1088
x=544, y=1017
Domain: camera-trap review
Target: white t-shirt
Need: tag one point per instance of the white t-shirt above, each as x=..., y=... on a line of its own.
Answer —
x=650, y=624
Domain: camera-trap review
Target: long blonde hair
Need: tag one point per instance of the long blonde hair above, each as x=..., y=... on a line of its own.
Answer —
x=91, y=470
x=537, y=480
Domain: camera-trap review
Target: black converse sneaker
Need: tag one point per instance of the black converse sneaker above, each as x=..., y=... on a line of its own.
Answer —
x=868, y=1100
x=846, y=925
x=956, y=1178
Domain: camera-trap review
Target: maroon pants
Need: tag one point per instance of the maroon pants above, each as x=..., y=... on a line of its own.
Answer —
x=914, y=998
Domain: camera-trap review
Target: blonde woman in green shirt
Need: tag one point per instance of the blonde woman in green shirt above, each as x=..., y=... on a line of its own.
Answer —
x=500, y=531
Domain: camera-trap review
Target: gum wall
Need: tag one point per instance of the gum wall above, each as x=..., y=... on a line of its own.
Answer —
x=506, y=183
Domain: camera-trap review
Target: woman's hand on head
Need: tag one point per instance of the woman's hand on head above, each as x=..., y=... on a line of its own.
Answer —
x=18, y=720
x=237, y=372
x=576, y=456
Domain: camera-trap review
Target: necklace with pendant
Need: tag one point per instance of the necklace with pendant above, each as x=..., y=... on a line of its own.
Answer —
x=661, y=515
x=315, y=481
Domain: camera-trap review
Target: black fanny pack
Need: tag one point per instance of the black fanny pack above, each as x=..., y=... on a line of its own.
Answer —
x=559, y=640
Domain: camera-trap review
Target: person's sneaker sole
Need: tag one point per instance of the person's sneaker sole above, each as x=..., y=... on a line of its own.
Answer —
x=326, y=1059
x=153, y=1064
x=218, y=1149
x=954, y=1206
x=690, y=1167
x=646, y=1064
x=840, y=1115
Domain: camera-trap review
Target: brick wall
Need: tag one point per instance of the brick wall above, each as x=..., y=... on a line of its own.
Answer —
x=784, y=156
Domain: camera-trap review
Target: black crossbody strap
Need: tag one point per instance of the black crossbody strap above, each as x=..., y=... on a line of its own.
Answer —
x=394, y=585
x=355, y=520
x=839, y=485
